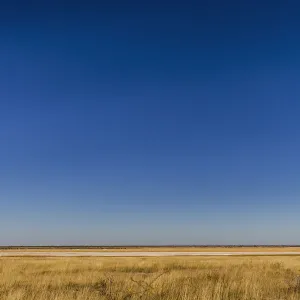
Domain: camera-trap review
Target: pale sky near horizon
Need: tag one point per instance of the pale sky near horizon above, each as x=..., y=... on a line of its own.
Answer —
x=150, y=123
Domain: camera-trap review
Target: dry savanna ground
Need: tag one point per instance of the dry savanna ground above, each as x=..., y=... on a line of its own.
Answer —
x=164, y=249
x=207, y=278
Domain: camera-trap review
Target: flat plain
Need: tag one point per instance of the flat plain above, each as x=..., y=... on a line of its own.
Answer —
x=137, y=254
x=111, y=278
x=158, y=249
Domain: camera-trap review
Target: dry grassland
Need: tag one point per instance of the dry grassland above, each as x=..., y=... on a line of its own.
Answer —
x=166, y=249
x=207, y=278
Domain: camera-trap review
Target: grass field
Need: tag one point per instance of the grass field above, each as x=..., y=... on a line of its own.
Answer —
x=207, y=278
x=167, y=249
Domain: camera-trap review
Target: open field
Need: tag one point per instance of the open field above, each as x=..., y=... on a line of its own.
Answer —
x=71, y=253
x=207, y=278
x=148, y=251
x=158, y=249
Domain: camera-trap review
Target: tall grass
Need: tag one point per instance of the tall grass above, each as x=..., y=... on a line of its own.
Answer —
x=148, y=278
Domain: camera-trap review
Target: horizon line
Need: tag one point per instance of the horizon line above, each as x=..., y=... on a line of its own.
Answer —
x=153, y=246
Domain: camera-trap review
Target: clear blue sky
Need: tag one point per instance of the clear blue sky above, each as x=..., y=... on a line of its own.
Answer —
x=150, y=123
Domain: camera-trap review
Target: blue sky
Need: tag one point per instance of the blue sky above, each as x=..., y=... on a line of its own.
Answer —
x=150, y=123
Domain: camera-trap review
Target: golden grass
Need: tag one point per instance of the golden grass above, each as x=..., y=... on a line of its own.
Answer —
x=207, y=278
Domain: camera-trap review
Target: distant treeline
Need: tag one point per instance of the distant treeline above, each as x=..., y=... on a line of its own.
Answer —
x=138, y=246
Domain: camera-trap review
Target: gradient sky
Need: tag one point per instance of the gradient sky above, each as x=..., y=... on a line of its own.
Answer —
x=151, y=123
